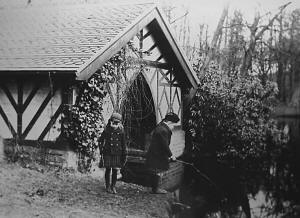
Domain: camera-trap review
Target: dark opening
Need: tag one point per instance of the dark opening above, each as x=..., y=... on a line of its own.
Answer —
x=139, y=114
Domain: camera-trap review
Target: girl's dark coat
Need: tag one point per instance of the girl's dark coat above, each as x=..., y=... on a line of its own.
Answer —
x=112, y=142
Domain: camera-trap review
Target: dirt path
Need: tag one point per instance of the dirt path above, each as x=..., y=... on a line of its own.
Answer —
x=52, y=193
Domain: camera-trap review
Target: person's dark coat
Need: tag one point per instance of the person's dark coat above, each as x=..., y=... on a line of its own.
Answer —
x=157, y=157
x=112, y=142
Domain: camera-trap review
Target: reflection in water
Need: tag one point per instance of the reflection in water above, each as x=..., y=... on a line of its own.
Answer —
x=278, y=195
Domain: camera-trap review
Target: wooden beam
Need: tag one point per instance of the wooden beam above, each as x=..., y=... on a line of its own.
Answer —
x=141, y=42
x=31, y=95
x=10, y=127
x=189, y=97
x=169, y=39
x=163, y=95
x=39, y=112
x=152, y=47
x=147, y=34
x=88, y=69
x=159, y=58
x=20, y=107
x=165, y=76
x=153, y=76
x=51, y=122
x=9, y=96
x=168, y=84
x=155, y=64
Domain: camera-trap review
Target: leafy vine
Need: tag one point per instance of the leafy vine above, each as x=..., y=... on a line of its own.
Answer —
x=83, y=122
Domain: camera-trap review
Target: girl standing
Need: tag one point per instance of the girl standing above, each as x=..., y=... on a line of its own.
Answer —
x=113, y=148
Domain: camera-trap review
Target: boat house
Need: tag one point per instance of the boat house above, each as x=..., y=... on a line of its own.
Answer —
x=45, y=50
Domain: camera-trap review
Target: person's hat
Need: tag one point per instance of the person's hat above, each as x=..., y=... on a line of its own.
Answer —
x=116, y=116
x=171, y=117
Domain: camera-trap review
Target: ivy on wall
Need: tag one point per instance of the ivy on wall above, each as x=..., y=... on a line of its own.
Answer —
x=83, y=122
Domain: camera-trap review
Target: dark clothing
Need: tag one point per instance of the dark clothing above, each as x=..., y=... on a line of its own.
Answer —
x=113, y=177
x=112, y=146
x=112, y=142
x=114, y=161
x=157, y=157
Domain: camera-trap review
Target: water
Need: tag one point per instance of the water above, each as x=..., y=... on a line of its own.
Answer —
x=277, y=196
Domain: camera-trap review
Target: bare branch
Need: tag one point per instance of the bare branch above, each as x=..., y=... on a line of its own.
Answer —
x=254, y=36
x=281, y=8
x=179, y=18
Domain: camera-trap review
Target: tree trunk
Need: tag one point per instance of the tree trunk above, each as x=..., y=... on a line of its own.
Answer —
x=214, y=42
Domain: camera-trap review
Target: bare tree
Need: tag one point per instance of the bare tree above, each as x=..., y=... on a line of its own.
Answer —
x=254, y=36
x=214, y=42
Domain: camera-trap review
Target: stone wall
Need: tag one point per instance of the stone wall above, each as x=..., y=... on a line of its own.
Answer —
x=53, y=157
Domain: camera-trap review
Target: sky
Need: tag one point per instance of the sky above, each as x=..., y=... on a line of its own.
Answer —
x=200, y=11
x=209, y=11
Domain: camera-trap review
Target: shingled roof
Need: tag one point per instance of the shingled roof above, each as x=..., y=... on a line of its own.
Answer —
x=71, y=38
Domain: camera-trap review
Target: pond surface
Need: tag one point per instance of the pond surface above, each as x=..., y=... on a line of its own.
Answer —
x=277, y=196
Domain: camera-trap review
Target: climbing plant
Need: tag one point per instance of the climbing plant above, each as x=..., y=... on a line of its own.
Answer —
x=83, y=122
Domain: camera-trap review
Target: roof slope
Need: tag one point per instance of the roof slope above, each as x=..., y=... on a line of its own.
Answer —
x=77, y=38
x=61, y=37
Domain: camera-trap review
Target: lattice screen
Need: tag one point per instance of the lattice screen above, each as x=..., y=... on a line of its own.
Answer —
x=165, y=90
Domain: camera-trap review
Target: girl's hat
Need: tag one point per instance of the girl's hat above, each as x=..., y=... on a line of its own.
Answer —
x=116, y=116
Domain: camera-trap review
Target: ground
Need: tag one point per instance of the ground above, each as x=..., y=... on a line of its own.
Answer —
x=39, y=191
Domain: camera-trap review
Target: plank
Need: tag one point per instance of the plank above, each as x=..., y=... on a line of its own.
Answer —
x=10, y=127
x=20, y=107
x=51, y=122
x=31, y=95
x=155, y=64
x=39, y=112
x=9, y=96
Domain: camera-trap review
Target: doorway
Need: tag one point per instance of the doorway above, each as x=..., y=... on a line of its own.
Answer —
x=138, y=111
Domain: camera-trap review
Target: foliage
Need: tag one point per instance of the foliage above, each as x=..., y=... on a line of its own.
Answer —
x=286, y=54
x=230, y=117
x=83, y=122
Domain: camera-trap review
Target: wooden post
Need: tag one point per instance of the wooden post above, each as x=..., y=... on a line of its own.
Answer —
x=19, y=108
x=1, y=149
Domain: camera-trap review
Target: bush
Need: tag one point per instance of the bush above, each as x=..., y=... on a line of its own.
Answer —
x=230, y=117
